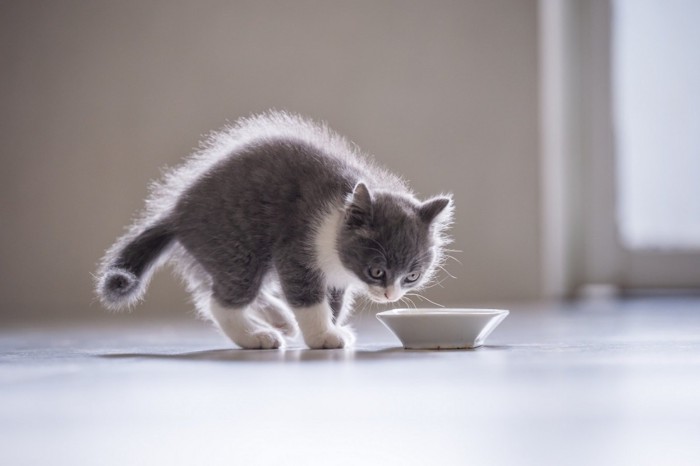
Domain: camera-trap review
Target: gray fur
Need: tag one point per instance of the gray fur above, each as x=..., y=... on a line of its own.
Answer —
x=243, y=212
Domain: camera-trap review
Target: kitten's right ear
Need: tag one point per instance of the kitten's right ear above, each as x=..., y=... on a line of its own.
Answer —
x=359, y=211
x=430, y=210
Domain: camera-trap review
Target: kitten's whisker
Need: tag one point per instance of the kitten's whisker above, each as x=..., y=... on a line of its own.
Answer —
x=423, y=256
x=423, y=297
x=381, y=251
x=370, y=306
x=380, y=246
x=410, y=301
x=445, y=270
x=432, y=282
x=376, y=250
x=364, y=306
x=438, y=282
x=453, y=258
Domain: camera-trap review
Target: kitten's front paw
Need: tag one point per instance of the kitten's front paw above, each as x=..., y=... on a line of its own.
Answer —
x=261, y=339
x=289, y=328
x=280, y=318
x=336, y=337
x=348, y=335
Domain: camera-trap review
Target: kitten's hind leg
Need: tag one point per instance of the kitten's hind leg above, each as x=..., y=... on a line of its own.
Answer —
x=244, y=328
x=276, y=312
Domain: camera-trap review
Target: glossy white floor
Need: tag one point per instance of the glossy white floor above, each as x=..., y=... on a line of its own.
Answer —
x=601, y=383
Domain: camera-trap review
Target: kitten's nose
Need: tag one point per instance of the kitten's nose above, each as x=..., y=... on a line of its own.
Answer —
x=391, y=294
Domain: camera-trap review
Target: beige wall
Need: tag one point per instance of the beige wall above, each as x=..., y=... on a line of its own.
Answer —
x=97, y=96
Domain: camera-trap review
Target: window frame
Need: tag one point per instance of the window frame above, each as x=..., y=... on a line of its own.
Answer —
x=581, y=243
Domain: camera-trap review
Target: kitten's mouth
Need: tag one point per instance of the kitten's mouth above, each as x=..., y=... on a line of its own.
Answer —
x=383, y=299
x=383, y=295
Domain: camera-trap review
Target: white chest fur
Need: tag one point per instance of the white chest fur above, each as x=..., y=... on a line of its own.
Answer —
x=327, y=257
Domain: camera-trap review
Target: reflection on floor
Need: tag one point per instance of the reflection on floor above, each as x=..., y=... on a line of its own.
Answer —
x=595, y=383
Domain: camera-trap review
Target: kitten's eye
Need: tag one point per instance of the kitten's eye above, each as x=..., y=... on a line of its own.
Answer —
x=412, y=277
x=376, y=272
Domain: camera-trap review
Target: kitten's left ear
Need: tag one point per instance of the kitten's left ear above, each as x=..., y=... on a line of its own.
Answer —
x=430, y=209
x=359, y=212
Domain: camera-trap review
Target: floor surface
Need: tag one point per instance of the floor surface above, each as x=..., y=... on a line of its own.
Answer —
x=613, y=383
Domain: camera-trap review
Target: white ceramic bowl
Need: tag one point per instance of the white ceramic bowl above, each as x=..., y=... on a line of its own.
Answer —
x=442, y=328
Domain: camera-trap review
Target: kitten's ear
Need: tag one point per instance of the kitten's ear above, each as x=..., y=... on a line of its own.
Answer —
x=359, y=211
x=430, y=209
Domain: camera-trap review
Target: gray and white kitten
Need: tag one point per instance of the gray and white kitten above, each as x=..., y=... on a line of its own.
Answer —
x=275, y=225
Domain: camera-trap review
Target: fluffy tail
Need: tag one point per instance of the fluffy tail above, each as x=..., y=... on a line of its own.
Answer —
x=128, y=266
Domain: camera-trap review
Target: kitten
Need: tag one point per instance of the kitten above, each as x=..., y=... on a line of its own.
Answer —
x=275, y=225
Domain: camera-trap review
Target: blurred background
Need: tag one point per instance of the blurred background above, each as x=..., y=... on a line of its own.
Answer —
x=511, y=105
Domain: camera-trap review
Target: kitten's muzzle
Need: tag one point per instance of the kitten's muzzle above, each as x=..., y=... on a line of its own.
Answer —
x=384, y=295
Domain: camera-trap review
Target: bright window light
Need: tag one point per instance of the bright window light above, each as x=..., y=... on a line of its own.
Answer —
x=656, y=88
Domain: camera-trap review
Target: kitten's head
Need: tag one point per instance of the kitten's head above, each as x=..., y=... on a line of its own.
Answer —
x=392, y=242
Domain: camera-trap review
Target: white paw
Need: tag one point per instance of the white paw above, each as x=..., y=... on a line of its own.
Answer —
x=288, y=328
x=335, y=337
x=348, y=335
x=279, y=317
x=261, y=339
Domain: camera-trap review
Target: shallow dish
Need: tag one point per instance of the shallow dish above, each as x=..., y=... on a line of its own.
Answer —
x=442, y=328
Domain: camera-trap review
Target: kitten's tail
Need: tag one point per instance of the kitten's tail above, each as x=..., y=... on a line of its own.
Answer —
x=128, y=265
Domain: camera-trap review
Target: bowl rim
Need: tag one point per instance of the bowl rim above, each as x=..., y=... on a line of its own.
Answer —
x=406, y=312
